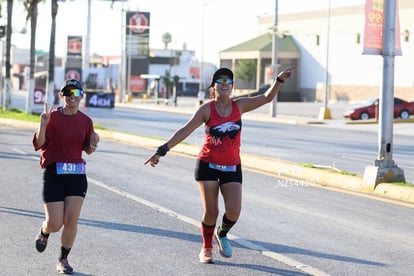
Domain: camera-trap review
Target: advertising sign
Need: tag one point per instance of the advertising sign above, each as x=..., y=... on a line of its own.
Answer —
x=39, y=96
x=137, y=34
x=137, y=84
x=74, y=46
x=73, y=65
x=373, y=34
x=100, y=99
x=73, y=73
x=195, y=72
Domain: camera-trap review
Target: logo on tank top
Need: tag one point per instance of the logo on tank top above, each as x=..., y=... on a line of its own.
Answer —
x=226, y=129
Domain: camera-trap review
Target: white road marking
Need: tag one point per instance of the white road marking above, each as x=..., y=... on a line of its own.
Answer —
x=263, y=250
x=25, y=153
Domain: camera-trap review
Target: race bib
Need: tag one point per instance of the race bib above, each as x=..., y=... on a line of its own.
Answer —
x=70, y=168
x=223, y=168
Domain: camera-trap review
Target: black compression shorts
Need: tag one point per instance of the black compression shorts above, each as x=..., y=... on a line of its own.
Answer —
x=203, y=172
x=58, y=186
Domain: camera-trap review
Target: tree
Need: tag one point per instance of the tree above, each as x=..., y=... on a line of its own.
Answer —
x=246, y=69
x=50, y=89
x=32, y=12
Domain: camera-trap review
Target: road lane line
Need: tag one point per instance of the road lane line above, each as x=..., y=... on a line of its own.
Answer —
x=247, y=244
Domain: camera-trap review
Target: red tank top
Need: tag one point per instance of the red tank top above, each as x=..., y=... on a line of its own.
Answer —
x=222, y=138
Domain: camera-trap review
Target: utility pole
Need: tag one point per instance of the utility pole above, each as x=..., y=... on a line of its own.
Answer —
x=201, y=66
x=274, y=59
x=86, y=59
x=385, y=169
x=122, y=83
x=325, y=112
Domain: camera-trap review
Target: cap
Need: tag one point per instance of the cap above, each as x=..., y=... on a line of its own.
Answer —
x=221, y=72
x=71, y=83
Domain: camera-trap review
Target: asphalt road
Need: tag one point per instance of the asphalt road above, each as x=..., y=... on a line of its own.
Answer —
x=289, y=136
x=139, y=220
x=346, y=147
x=327, y=143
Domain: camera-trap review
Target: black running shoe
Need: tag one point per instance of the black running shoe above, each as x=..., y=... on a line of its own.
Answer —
x=63, y=266
x=41, y=241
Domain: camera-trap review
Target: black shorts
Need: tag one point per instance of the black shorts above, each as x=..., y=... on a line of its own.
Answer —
x=58, y=186
x=203, y=172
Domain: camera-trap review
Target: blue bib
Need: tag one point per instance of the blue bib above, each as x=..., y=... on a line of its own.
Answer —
x=223, y=168
x=70, y=168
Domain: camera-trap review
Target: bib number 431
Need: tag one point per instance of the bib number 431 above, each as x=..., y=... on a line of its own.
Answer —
x=70, y=168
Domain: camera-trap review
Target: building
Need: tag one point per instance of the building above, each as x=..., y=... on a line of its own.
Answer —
x=182, y=64
x=327, y=48
x=104, y=71
x=260, y=49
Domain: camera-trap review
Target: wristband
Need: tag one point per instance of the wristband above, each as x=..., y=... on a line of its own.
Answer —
x=162, y=150
x=280, y=80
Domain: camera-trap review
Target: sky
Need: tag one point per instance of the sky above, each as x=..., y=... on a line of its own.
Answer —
x=215, y=24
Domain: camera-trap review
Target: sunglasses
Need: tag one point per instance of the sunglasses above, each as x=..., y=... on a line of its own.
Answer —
x=224, y=81
x=73, y=92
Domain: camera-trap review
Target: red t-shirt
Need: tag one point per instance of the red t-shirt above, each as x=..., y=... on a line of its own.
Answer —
x=66, y=137
x=222, y=139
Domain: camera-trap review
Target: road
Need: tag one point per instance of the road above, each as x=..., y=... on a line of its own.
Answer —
x=333, y=143
x=350, y=148
x=139, y=220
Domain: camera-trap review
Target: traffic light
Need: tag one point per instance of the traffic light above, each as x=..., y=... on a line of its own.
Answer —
x=2, y=31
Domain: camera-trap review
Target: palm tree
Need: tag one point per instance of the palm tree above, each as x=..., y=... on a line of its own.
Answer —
x=50, y=89
x=32, y=12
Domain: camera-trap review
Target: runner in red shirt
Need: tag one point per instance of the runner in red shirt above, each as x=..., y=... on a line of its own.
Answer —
x=62, y=136
x=218, y=167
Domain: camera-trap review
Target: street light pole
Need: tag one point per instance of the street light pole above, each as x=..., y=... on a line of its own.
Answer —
x=324, y=112
x=122, y=83
x=385, y=169
x=88, y=37
x=2, y=97
x=274, y=58
x=201, y=75
x=201, y=66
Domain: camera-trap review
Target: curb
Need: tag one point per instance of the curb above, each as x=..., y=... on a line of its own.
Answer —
x=374, y=121
x=278, y=167
x=399, y=192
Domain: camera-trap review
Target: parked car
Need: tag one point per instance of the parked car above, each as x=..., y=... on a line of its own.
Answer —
x=402, y=109
x=189, y=92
